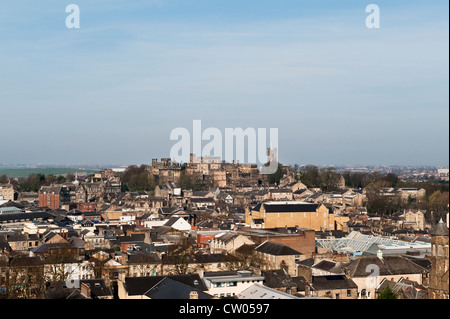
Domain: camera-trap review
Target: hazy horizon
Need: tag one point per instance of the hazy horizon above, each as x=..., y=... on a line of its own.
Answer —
x=113, y=90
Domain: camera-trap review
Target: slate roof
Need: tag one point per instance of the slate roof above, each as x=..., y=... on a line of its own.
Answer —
x=276, y=249
x=98, y=288
x=168, y=288
x=332, y=282
x=422, y=262
x=140, y=285
x=388, y=265
x=172, y=221
x=325, y=265
x=278, y=279
x=44, y=248
x=409, y=289
x=50, y=189
x=307, y=262
x=131, y=238
x=440, y=229
x=9, y=218
x=25, y=261
x=142, y=258
x=201, y=193
x=226, y=238
x=291, y=208
x=203, y=200
x=213, y=258
x=59, y=290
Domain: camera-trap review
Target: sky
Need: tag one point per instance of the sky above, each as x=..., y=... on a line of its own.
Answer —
x=111, y=91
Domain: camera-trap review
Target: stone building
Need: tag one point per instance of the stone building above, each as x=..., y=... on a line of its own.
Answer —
x=228, y=242
x=299, y=239
x=415, y=219
x=276, y=256
x=439, y=283
x=273, y=214
x=7, y=192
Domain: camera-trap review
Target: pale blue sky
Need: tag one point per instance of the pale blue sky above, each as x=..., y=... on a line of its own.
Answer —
x=113, y=90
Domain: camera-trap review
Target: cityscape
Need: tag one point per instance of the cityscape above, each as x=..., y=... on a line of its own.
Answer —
x=224, y=158
x=217, y=230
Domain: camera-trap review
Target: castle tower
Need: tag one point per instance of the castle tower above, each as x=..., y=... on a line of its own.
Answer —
x=439, y=284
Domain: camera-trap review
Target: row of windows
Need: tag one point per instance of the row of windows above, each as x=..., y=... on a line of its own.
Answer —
x=27, y=244
x=232, y=283
x=223, y=295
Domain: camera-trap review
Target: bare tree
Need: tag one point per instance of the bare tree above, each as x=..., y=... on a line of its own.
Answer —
x=180, y=257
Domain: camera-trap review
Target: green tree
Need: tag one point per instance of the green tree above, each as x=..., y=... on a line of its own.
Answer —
x=4, y=179
x=387, y=294
x=438, y=204
x=310, y=176
x=138, y=179
x=392, y=179
x=329, y=179
x=193, y=182
x=277, y=176
x=379, y=204
x=180, y=257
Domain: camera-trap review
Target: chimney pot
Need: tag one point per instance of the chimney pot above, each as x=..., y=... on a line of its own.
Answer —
x=193, y=295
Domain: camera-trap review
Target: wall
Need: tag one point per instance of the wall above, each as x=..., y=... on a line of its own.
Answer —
x=321, y=219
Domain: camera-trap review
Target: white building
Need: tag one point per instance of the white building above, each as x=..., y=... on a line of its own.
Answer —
x=230, y=283
x=258, y=291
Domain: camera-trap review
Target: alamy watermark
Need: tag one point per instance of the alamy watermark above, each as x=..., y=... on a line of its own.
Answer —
x=373, y=19
x=73, y=19
x=230, y=148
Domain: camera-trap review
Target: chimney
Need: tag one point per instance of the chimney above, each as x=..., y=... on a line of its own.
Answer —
x=122, y=276
x=85, y=290
x=307, y=289
x=124, y=259
x=193, y=295
x=380, y=254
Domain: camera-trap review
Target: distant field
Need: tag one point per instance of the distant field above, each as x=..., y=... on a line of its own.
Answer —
x=25, y=172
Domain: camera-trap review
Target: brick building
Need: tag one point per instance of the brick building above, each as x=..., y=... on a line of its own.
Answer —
x=52, y=197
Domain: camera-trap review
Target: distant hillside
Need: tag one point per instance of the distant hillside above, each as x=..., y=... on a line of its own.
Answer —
x=25, y=172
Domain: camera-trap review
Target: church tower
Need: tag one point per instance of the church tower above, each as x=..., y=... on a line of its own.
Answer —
x=438, y=288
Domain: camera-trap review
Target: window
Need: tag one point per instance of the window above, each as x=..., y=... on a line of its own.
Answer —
x=337, y=296
x=349, y=293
